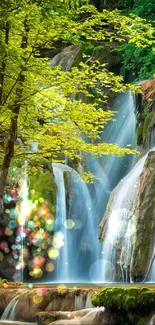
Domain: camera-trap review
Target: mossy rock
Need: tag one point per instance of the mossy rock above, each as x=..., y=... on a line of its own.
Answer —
x=146, y=123
x=132, y=301
x=139, y=135
x=149, y=124
x=143, y=247
x=145, y=320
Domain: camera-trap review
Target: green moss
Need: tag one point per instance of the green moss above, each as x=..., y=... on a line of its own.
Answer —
x=127, y=306
x=144, y=320
x=131, y=300
x=143, y=244
x=133, y=318
x=139, y=135
x=148, y=124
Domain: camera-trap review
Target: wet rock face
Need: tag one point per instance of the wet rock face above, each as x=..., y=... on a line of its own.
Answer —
x=46, y=317
x=145, y=107
x=17, y=323
x=143, y=248
x=90, y=316
x=148, y=88
x=33, y=301
x=133, y=248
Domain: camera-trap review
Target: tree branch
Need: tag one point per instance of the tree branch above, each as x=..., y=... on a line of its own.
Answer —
x=2, y=74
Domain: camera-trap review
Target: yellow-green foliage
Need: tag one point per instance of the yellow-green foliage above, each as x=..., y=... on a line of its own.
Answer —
x=36, y=100
x=42, y=185
x=5, y=283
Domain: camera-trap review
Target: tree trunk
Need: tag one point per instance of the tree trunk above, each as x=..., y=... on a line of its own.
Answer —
x=8, y=154
x=12, y=133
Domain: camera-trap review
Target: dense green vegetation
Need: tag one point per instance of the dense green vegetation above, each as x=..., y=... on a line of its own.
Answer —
x=138, y=63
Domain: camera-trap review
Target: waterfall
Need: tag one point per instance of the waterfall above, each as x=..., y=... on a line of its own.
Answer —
x=83, y=303
x=81, y=258
x=79, y=302
x=10, y=311
x=109, y=170
x=78, y=252
x=88, y=303
x=121, y=225
x=10, y=314
x=13, y=311
x=66, y=57
x=60, y=222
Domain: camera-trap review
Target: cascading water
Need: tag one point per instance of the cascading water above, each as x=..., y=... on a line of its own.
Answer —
x=109, y=170
x=88, y=303
x=60, y=221
x=10, y=311
x=78, y=247
x=66, y=57
x=79, y=302
x=81, y=257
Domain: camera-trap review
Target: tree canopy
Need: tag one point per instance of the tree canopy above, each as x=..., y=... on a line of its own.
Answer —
x=42, y=104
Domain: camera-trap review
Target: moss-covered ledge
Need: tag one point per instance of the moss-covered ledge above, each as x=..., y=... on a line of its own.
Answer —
x=127, y=305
